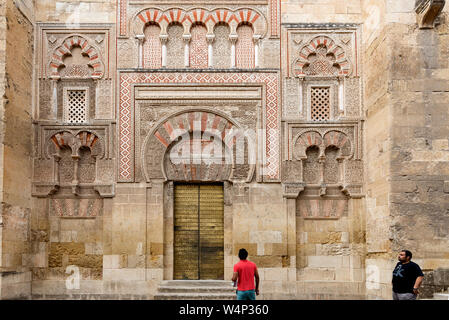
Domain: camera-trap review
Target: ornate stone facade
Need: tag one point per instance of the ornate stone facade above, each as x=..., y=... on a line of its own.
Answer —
x=318, y=194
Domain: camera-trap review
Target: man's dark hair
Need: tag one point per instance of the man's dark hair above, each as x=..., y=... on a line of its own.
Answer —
x=243, y=254
x=407, y=254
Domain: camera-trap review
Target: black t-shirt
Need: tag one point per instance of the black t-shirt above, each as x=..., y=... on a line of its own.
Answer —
x=404, y=277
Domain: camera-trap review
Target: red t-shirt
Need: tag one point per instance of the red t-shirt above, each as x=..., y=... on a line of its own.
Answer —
x=246, y=270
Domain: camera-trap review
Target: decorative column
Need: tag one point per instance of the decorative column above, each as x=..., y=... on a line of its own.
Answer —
x=187, y=38
x=233, y=39
x=341, y=95
x=341, y=176
x=164, y=39
x=256, y=40
x=301, y=96
x=321, y=161
x=56, y=178
x=54, y=97
x=210, y=50
x=140, y=38
x=75, y=181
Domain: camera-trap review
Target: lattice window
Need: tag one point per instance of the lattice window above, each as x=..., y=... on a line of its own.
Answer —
x=76, y=105
x=320, y=104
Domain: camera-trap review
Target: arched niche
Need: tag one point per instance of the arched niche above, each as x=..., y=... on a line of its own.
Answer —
x=322, y=56
x=244, y=47
x=206, y=131
x=152, y=47
x=79, y=45
x=232, y=17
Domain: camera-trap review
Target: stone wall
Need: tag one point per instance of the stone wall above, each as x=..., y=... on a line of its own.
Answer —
x=419, y=141
x=377, y=148
x=17, y=34
x=74, y=12
x=406, y=141
x=350, y=183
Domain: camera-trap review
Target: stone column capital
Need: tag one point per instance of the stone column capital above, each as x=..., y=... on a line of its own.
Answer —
x=163, y=38
x=233, y=38
x=187, y=38
x=210, y=38
x=140, y=37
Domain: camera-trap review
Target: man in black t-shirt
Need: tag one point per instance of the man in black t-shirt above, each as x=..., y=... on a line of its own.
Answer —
x=407, y=277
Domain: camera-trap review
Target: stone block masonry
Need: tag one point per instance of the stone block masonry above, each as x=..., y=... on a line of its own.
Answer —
x=348, y=100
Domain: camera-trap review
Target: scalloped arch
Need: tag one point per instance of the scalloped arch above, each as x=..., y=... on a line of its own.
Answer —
x=308, y=138
x=86, y=48
x=76, y=141
x=199, y=15
x=341, y=58
x=169, y=129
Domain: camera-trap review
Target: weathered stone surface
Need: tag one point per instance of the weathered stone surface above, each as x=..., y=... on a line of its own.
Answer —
x=359, y=151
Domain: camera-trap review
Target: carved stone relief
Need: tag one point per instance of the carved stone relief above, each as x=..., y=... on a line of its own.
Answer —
x=71, y=160
x=189, y=17
x=197, y=145
x=222, y=47
x=322, y=56
x=80, y=57
x=326, y=166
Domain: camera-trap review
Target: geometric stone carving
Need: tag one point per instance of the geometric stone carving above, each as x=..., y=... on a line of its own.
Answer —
x=292, y=98
x=222, y=47
x=76, y=70
x=188, y=18
x=73, y=161
x=198, y=47
x=245, y=47
x=76, y=208
x=175, y=47
x=128, y=81
x=427, y=12
x=322, y=208
x=71, y=149
x=327, y=158
x=76, y=105
x=198, y=145
x=311, y=138
x=152, y=47
x=321, y=56
x=320, y=103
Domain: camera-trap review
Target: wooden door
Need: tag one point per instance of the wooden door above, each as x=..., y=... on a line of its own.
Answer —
x=199, y=232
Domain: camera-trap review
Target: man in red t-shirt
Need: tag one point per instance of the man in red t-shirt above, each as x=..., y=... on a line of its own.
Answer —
x=245, y=271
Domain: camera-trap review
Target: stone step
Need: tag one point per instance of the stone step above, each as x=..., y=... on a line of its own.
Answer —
x=196, y=289
x=441, y=296
x=194, y=296
x=197, y=283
